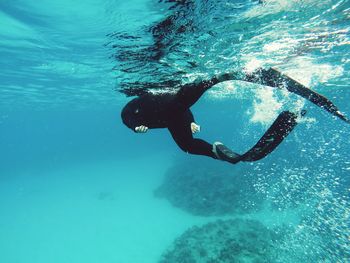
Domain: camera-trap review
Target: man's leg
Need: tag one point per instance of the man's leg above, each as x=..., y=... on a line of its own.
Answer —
x=274, y=78
x=283, y=125
x=189, y=94
x=181, y=132
x=269, y=77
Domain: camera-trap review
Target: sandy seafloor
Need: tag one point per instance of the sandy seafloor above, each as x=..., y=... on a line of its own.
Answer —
x=97, y=212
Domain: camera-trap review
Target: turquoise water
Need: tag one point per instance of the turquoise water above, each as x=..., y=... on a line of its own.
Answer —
x=77, y=186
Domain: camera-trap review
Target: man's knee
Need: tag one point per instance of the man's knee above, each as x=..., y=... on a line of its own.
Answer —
x=187, y=147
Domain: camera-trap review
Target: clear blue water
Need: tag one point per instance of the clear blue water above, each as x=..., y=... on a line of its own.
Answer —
x=77, y=186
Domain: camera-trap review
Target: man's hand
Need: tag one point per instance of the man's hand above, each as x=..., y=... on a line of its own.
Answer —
x=195, y=128
x=141, y=129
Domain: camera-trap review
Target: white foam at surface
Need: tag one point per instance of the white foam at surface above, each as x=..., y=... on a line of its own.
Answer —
x=284, y=45
x=308, y=72
x=275, y=6
x=265, y=106
x=224, y=90
x=252, y=63
x=163, y=91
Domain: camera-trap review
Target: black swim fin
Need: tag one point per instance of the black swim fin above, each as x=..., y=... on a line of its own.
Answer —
x=280, y=128
x=274, y=78
x=225, y=154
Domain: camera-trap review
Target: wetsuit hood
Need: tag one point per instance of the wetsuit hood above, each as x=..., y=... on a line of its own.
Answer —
x=129, y=113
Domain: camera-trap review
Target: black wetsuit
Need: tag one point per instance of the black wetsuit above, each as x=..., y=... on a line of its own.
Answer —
x=171, y=111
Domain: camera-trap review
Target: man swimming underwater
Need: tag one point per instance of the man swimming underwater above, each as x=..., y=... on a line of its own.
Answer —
x=172, y=111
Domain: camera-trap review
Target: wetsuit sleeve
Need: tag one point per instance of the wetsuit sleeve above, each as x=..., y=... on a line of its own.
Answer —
x=190, y=116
